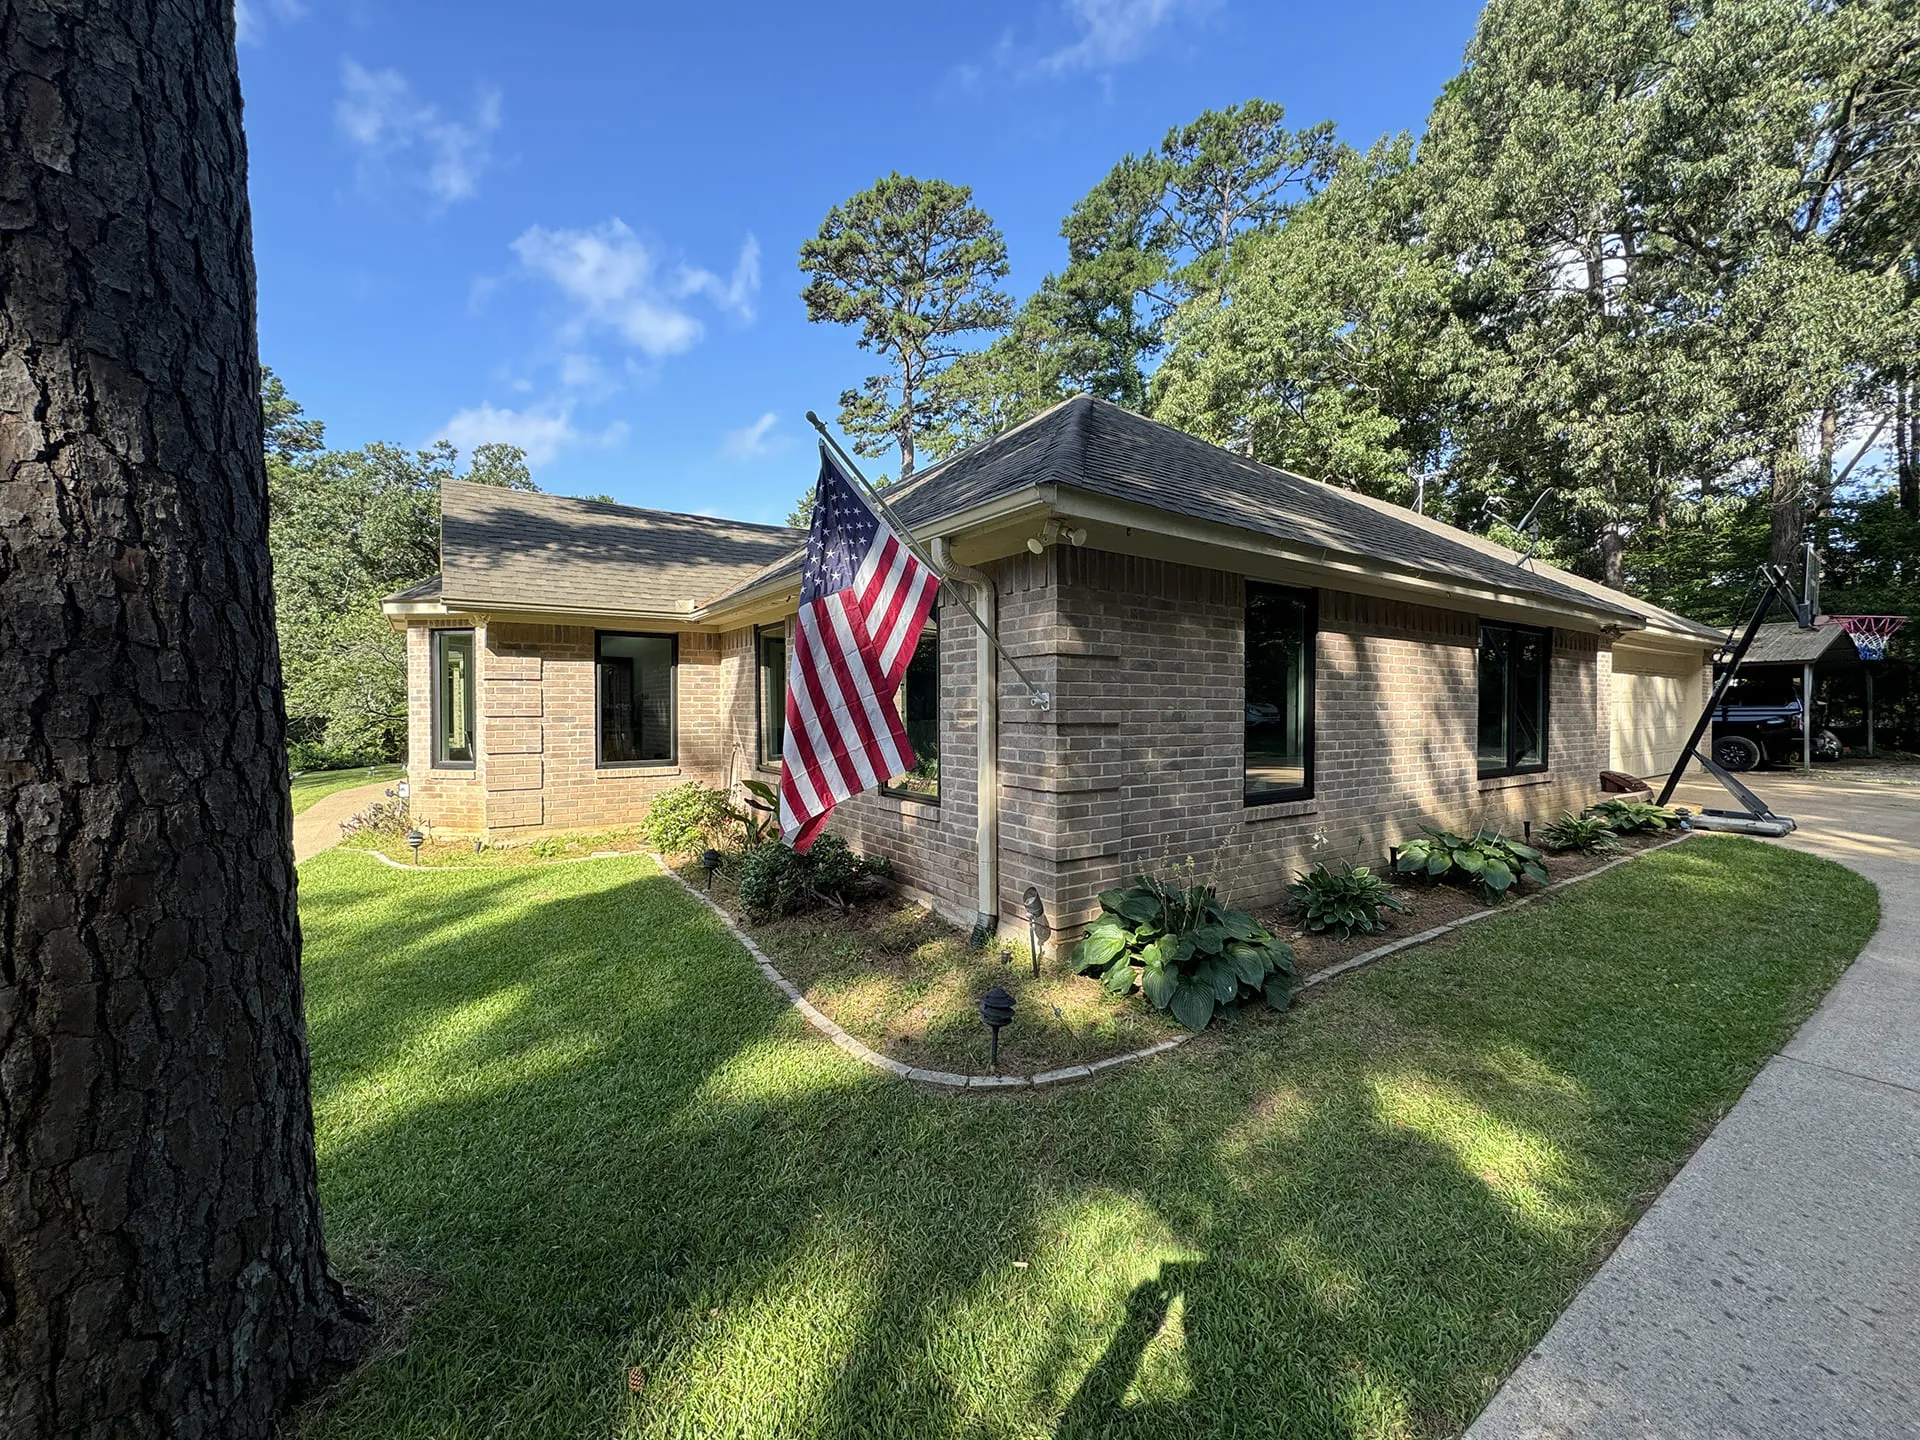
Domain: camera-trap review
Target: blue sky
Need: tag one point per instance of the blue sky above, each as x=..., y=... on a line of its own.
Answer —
x=575, y=226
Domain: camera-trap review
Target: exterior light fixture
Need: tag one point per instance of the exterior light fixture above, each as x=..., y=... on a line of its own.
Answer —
x=1526, y=831
x=996, y=1009
x=710, y=862
x=414, y=841
x=1053, y=532
x=1038, y=930
x=1393, y=857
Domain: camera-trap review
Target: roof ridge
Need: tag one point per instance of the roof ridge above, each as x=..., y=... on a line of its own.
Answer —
x=620, y=506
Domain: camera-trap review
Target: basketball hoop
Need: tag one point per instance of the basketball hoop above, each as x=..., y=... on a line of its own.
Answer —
x=1870, y=632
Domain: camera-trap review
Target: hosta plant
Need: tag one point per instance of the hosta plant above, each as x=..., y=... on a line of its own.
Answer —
x=1624, y=817
x=1188, y=952
x=1587, y=834
x=1345, y=899
x=1487, y=859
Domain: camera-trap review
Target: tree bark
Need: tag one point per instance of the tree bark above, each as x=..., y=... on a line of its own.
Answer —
x=162, y=1270
x=1787, y=508
x=1906, y=445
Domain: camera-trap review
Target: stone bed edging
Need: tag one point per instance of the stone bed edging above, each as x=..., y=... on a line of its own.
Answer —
x=947, y=1079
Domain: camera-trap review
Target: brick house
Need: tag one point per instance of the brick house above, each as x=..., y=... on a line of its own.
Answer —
x=1245, y=667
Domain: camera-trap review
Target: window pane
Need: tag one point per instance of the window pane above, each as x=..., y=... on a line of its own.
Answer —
x=1492, y=748
x=1279, y=692
x=773, y=695
x=1529, y=669
x=919, y=702
x=636, y=698
x=453, y=722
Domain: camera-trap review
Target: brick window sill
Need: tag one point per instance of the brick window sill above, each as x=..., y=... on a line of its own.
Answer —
x=1280, y=810
x=642, y=772
x=1517, y=782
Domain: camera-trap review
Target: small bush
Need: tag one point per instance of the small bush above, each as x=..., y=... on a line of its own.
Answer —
x=386, y=816
x=775, y=881
x=1586, y=834
x=1186, y=951
x=308, y=755
x=1487, y=859
x=1626, y=817
x=686, y=818
x=1346, y=900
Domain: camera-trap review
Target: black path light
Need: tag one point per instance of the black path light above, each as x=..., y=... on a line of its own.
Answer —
x=996, y=1009
x=414, y=841
x=1038, y=930
x=710, y=862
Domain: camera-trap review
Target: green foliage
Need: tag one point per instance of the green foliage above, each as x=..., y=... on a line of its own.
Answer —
x=775, y=881
x=1586, y=834
x=1346, y=900
x=1487, y=859
x=1626, y=817
x=1188, y=952
x=347, y=528
x=759, y=813
x=913, y=263
x=387, y=816
x=686, y=817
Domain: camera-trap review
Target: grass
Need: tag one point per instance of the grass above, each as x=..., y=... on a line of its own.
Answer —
x=458, y=852
x=565, y=1130
x=318, y=784
x=907, y=983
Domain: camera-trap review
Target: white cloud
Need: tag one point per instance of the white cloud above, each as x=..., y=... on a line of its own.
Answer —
x=616, y=283
x=250, y=18
x=401, y=138
x=1107, y=34
x=751, y=442
x=542, y=431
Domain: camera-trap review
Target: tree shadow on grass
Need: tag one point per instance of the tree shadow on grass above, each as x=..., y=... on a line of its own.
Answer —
x=611, y=1146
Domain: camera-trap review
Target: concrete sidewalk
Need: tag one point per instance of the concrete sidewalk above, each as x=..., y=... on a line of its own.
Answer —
x=1774, y=1287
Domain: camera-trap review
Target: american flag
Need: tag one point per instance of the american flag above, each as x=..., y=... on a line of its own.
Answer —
x=863, y=601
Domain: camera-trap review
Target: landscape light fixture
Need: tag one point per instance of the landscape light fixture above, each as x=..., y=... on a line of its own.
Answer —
x=1038, y=930
x=414, y=841
x=996, y=1009
x=710, y=862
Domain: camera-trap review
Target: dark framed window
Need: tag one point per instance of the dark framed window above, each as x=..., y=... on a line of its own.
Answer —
x=634, y=683
x=919, y=700
x=1281, y=624
x=770, y=645
x=454, y=741
x=1511, y=737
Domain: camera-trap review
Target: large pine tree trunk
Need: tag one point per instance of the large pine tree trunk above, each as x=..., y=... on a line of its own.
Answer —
x=161, y=1264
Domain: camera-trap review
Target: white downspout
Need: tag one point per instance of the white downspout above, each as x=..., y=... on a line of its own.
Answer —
x=986, y=690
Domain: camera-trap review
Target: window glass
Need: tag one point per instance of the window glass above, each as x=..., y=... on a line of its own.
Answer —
x=1515, y=665
x=453, y=739
x=919, y=700
x=1492, y=752
x=1279, y=693
x=636, y=698
x=773, y=694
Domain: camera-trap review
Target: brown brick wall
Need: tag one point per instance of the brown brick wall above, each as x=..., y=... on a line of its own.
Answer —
x=1138, y=765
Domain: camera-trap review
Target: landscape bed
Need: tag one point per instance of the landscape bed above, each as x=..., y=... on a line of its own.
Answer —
x=615, y=1185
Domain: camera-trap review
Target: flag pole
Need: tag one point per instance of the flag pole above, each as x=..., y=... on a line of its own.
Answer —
x=1040, y=699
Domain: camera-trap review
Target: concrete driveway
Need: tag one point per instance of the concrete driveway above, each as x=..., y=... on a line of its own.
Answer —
x=1773, y=1289
x=317, y=827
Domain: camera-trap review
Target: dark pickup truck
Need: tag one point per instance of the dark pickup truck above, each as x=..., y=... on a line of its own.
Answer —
x=1760, y=723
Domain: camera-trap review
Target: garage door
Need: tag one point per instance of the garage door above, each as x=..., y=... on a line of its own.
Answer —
x=1656, y=698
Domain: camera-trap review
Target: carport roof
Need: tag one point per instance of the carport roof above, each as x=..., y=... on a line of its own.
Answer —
x=1785, y=643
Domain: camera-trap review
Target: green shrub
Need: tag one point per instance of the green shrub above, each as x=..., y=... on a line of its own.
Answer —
x=760, y=812
x=1488, y=860
x=1588, y=834
x=1625, y=817
x=1186, y=951
x=387, y=816
x=686, y=818
x=1345, y=900
x=775, y=881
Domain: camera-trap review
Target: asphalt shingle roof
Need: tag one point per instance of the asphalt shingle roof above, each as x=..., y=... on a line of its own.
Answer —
x=1091, y=445
x=1785, y=643
x=512, y=547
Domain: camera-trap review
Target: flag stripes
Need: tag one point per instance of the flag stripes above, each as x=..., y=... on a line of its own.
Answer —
x=864, y=599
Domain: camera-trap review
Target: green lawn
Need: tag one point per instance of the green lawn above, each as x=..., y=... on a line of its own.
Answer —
x=566, y=1129
x=317, y=784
